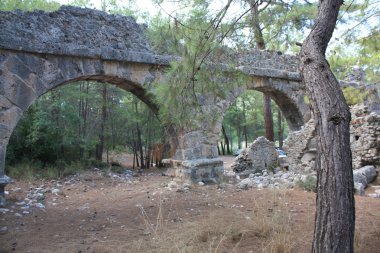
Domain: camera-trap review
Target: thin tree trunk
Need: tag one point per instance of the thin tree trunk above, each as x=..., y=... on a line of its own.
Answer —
x=245, y=126
x=268, y=118
x=335, y=215
x=280, y=130
x=80, y=113
x=223, y=148
x=100, y=145
x=226, y=141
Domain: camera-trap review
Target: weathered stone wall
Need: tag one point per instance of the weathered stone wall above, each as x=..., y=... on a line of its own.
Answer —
x=300, y=148
x=364, y=140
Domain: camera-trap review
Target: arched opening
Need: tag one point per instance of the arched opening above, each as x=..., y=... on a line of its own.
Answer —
x=243, y=122
x=86, y=123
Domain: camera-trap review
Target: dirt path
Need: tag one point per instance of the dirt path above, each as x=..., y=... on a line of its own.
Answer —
x=97, y=213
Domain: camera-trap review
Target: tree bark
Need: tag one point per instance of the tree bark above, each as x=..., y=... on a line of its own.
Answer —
x=335, y=214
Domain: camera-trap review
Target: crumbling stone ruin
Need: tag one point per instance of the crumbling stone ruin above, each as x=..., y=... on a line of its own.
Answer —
x=259, y=156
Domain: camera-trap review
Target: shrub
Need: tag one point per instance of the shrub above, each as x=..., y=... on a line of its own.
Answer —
x=308, y=184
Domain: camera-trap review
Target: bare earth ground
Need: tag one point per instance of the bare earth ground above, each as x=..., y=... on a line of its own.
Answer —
x=97, y=213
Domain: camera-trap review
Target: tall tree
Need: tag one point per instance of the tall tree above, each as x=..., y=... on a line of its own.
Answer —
x=335, y=215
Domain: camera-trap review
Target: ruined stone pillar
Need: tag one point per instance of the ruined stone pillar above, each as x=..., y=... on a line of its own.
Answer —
x=196, y=158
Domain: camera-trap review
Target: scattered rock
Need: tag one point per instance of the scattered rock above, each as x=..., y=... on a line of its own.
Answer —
x=4, y=210
x=17, y=189
x=365, y=175
x=359, y=188
x=172, y=185
x=55, y=191
x=245, y=183
x=39, y=205
x=3, y=230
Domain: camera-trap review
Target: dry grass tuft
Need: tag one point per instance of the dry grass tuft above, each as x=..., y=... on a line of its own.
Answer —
x=268, y=226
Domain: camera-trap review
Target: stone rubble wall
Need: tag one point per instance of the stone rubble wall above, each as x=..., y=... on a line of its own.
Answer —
x=365, y=137
x=300, y=148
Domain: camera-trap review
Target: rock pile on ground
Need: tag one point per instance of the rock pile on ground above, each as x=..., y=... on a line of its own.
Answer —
x=259, y=156
x=258, y=166
x=277, y=179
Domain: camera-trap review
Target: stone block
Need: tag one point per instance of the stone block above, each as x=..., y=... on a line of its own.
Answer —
x=197, y=170
x=365, y=175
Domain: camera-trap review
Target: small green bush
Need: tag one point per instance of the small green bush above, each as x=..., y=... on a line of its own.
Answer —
x=309, y=184
x=117, y=169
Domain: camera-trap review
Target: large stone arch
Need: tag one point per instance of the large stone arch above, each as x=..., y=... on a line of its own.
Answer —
x=24, y=77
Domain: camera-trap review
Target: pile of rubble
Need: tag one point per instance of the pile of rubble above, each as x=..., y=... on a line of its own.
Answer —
x=258, y=156
x=277, y=179
x=259, y=166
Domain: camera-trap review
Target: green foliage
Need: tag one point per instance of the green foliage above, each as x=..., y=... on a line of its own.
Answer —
x=354, y=95
x=285, y=23
x=245, y=118
x=28, y=5
x=358, y=41
x=306, y=99
x=309, y=184
x=196, y=78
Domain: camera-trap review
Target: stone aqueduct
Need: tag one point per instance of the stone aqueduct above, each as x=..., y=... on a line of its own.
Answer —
x=40, y=51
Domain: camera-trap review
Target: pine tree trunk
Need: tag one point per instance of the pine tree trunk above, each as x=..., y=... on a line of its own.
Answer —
x=226, y=140
x=280, y=131
x=268, y=118
x=100, y=145
x=245, y=132
x=222, y=147
x=335, y=214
